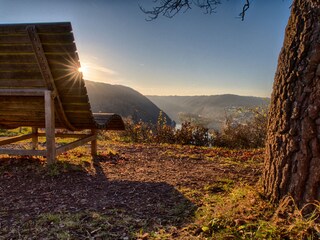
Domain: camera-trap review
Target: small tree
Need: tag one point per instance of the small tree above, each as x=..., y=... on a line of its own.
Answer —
x=164, y=133
x=137, y=132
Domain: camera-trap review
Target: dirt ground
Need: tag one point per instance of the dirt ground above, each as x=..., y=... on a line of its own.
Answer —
x=141, y=182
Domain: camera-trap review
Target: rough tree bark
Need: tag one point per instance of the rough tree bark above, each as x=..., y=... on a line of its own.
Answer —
x=292, y=164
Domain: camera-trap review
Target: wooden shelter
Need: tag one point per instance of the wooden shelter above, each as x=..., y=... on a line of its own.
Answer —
x=41, y=87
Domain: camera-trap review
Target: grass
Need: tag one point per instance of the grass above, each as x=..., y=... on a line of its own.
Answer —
x=241, y=213
x=84, y=225
x=225, y=209
x=14, y=132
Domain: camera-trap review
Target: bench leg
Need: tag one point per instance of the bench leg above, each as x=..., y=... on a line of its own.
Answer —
x=35, y=138
x=50, y=127
x=94, y=144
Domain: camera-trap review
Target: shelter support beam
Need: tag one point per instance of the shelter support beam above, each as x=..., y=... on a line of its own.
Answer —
x=94, y=143
x=34, y=138
x=50, y=126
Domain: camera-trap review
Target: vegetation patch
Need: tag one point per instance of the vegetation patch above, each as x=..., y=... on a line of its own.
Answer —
x=145, y=191
x=235, y=133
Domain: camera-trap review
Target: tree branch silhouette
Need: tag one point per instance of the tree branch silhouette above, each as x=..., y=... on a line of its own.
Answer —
x=244, y=10
x=169, y=8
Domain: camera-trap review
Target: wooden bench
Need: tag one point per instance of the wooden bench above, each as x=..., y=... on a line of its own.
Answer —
x=41, y=87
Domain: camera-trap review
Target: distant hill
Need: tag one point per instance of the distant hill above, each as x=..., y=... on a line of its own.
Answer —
x=213, y=109
x=122, y=100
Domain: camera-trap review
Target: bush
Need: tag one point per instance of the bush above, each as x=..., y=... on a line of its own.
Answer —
x=164, y=133
x=189, y=134
x=193, y=134
x=250, y=134
x=136, y=132
x=235, y=134
x=184, y=135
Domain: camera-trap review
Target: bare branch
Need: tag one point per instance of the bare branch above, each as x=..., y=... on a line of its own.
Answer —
x=244, y=10
x=169, y=8
x=208, y=5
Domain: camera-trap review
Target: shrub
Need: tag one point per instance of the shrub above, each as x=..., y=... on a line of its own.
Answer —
x=201, y=136
x=136, y=132
x=248, y=134
x=235, y=134
x=184, y=135
x=193, y=134
x=163, y=132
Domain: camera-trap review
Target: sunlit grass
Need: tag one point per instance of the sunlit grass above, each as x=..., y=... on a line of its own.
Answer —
x=223, y=209
x=14, y=132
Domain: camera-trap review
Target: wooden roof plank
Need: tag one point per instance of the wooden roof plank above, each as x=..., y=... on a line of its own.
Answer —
x=21, y=99
x=48, y=48
x=57, y=27
x=59, y=48
x=20, y=75
x=15, y=48
x=45, y=38
x=16, y=67
x=18, y=58
x=19, y=83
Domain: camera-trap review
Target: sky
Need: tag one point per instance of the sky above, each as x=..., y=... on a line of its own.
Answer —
x=191, y=54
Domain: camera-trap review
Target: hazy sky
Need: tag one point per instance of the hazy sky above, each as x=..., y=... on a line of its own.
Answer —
x=191, y=54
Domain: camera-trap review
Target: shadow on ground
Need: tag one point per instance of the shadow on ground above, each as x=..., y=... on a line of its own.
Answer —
x=37, y=202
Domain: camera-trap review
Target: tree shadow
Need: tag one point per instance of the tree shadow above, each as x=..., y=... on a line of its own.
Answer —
x=29, y=192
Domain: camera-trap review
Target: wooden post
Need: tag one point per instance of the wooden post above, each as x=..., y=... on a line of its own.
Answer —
x=50, y=127
x=94, y=144
x=35, y=138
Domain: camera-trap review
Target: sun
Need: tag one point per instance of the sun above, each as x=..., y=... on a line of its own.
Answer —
x=83, y=69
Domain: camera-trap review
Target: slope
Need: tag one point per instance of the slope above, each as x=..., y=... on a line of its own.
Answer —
x=122, y=100
x=213, y=108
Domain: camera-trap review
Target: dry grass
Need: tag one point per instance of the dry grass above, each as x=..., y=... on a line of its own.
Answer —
x=230, y=207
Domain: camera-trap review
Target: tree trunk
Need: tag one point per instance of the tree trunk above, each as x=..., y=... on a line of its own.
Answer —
x=292, y=164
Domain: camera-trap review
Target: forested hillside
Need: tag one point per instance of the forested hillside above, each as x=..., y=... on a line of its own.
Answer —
x=211, y=109
x=122, y=100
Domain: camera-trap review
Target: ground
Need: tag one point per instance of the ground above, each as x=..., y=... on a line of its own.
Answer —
x=129, y=191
